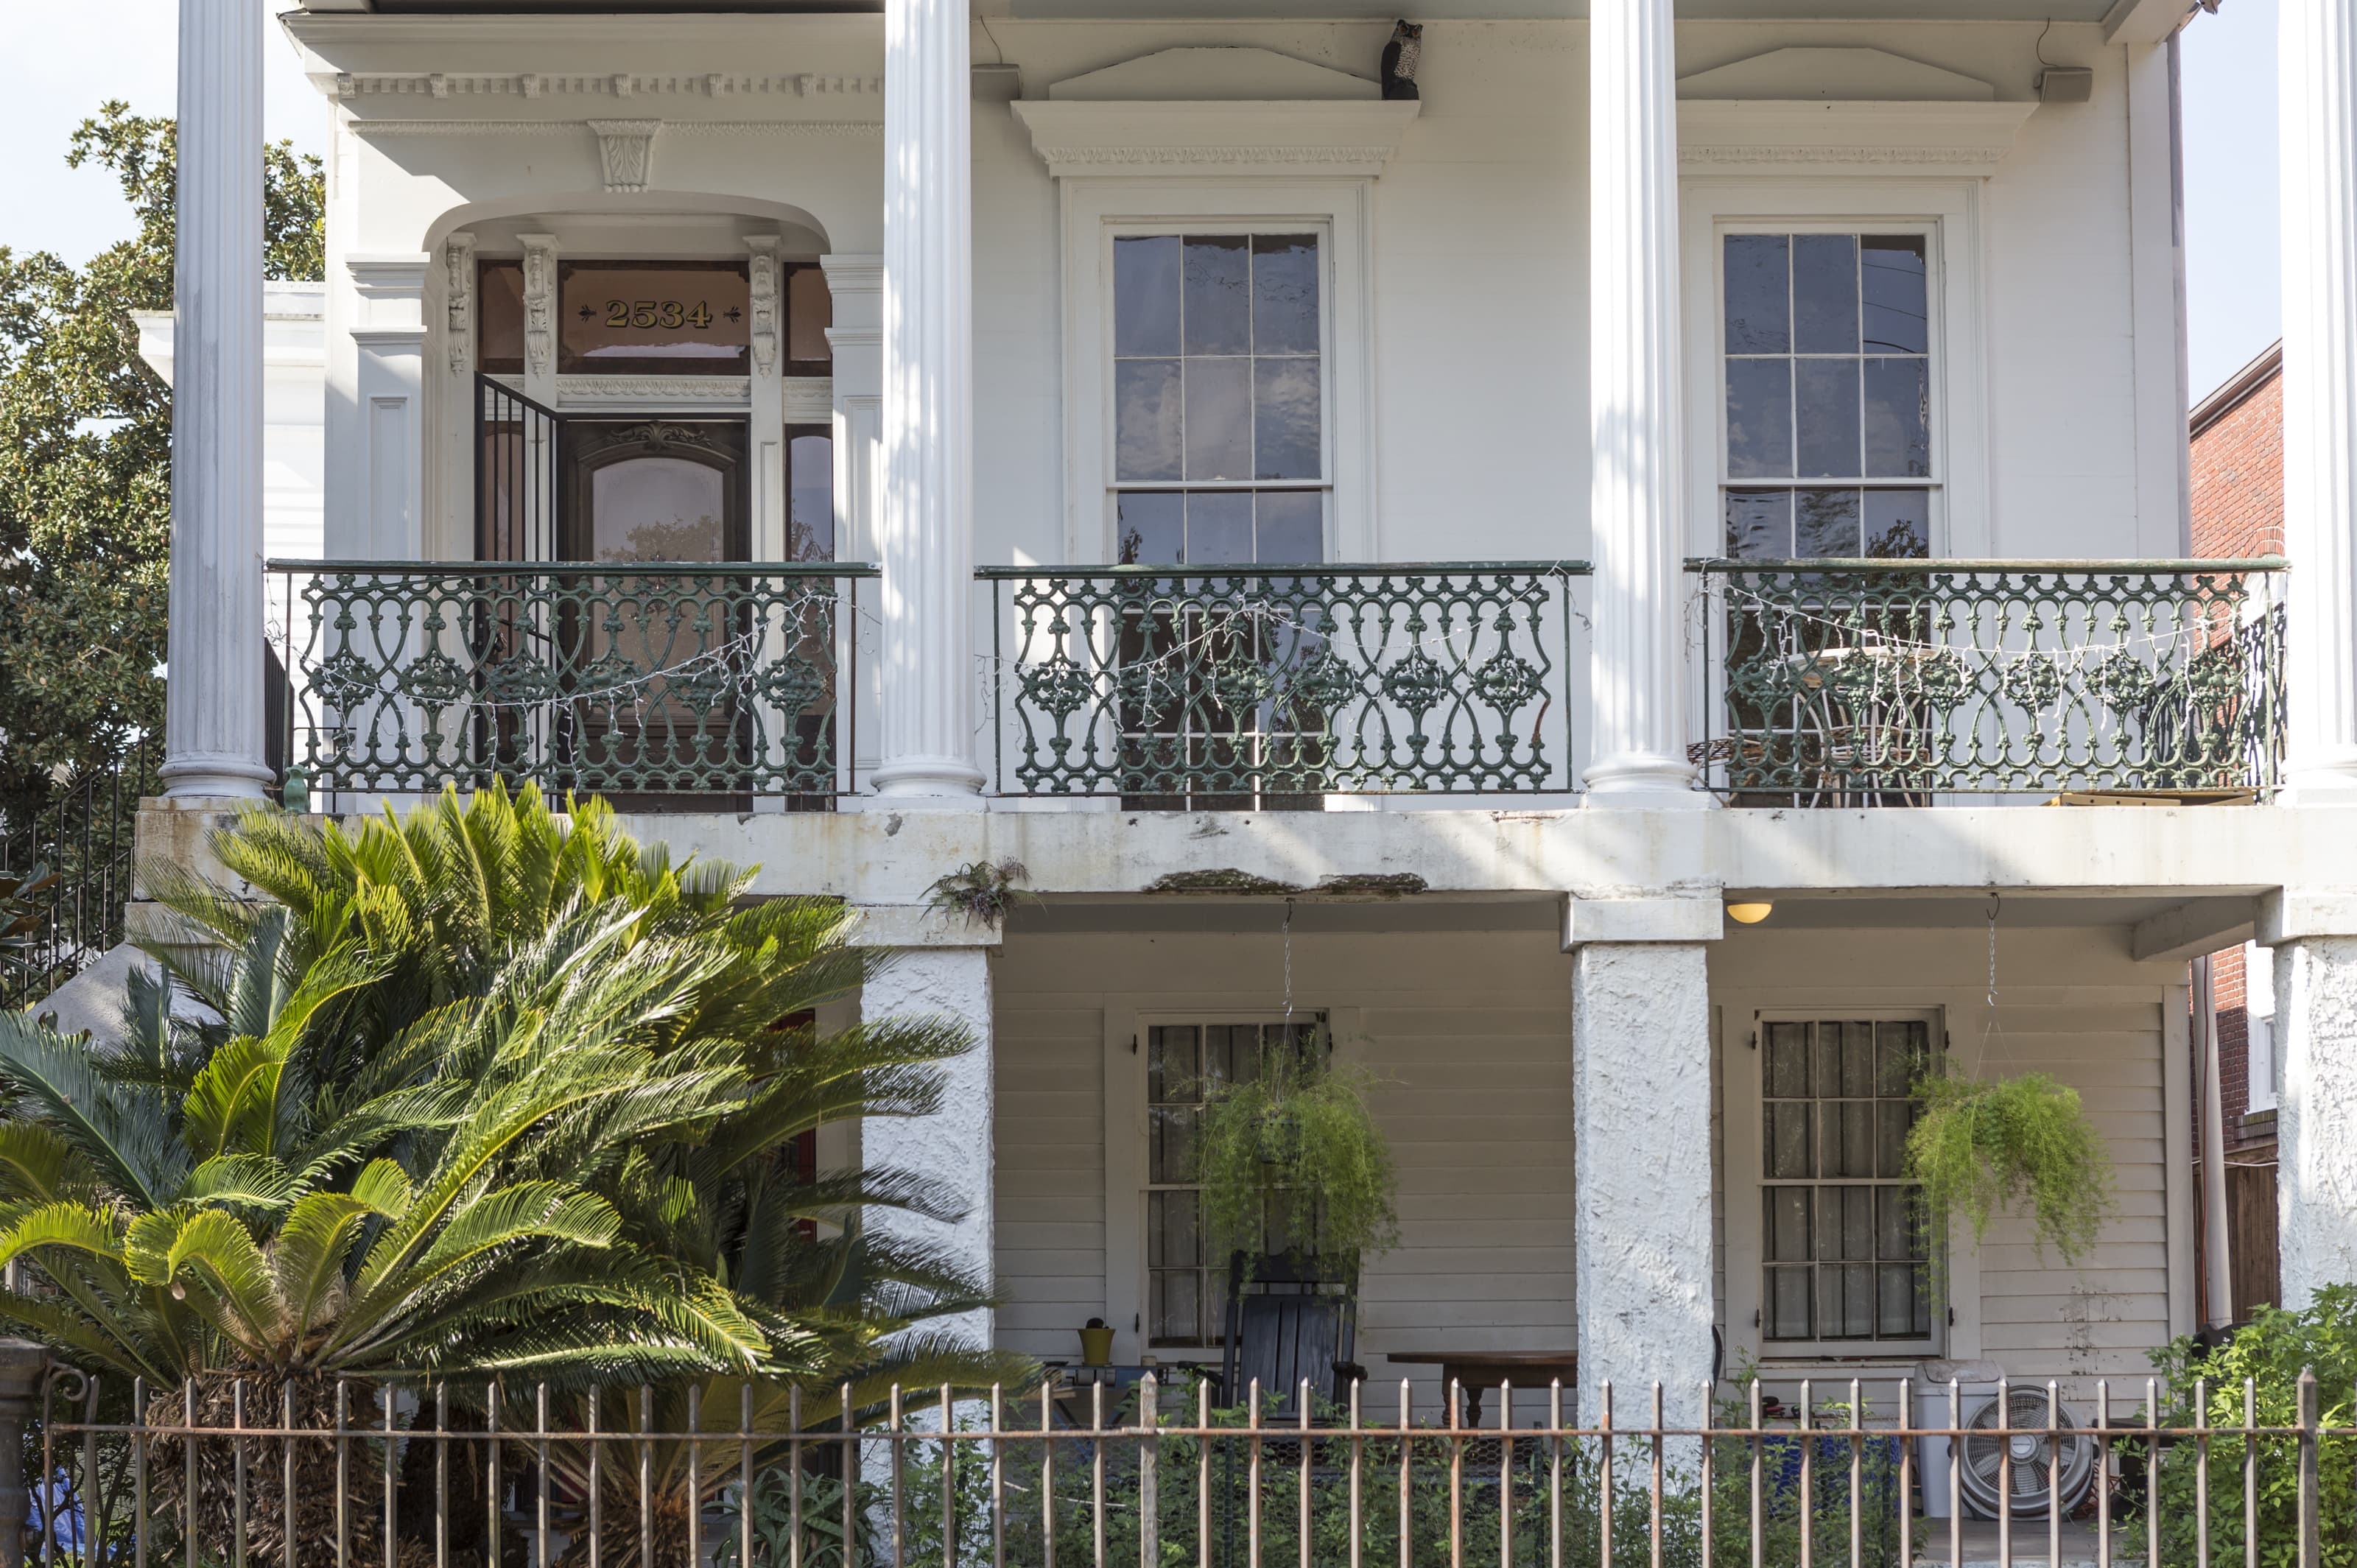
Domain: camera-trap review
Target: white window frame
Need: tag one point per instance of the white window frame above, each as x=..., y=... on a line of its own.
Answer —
x=1956, y=1288
x=1126, y=1145
x=1947, y=214
x=1097, y=209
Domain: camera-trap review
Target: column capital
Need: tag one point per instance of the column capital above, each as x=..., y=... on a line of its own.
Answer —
x=2296, y=914
x=921, y=926
x=1663, y=918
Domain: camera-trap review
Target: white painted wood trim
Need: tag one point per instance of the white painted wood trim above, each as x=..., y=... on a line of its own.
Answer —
x=1125, y=1142
x=1948, y=213
x=2178, y=1198
x=1886, y=136
x=1167, y=139
x=1341, y=210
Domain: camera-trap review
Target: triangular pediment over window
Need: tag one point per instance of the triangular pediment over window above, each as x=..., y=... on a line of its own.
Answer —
x=1225, y=75
x=1832, y=107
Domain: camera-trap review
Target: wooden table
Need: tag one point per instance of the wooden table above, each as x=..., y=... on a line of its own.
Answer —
x=1477, y=1372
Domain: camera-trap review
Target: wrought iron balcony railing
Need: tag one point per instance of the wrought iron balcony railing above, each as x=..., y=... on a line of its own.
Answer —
x=1889, y=683
x=673, y=683
x=1237, y=686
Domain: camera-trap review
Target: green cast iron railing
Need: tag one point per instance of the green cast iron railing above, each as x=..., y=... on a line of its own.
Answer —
x=1234, y=686
x=685, y=683
x=1887, y=682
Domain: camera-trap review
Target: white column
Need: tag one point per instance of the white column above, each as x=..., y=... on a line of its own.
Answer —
x=2316, y=1118
x=954, y=1146
x=1641, y=1104
x=855, y=284
x=1637, y=678
x=213, y=697
x=925, y=543
x=2317, y=98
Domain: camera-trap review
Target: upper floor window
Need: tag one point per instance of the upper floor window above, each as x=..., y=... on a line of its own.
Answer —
x=1828, y=443
x=1219, y=397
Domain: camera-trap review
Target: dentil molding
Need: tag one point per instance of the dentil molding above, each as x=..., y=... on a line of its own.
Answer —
x=1299, y=137
x=624, y=84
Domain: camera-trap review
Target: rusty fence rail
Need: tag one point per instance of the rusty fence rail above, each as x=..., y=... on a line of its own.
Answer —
x=729, y=1475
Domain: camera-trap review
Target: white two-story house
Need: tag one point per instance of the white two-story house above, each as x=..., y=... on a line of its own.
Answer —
x=1398, y=543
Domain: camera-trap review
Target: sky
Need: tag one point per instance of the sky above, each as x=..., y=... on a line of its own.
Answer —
x=2234, y=293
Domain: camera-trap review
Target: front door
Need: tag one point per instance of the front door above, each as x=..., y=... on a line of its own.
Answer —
x=654, y=653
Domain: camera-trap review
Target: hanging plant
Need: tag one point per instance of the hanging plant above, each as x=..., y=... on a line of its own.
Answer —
x=1979, y=1146
x=1295, y=1154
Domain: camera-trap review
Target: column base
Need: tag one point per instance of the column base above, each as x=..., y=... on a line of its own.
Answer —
x=2326, y=780
x=1642, y=782
x=942, y=783
x=203, y=775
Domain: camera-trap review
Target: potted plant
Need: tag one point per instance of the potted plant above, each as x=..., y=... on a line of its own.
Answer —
x=1979, y=1145
x=1295, y=1155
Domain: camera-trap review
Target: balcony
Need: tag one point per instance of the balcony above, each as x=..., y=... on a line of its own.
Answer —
x=1902, y=683
x=680, y=686
x=1822, y=684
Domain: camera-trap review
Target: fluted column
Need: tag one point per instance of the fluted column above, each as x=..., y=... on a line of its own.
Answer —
x=1637, y=679
x=925, y=541
x=213, y=696
x=2317, y=98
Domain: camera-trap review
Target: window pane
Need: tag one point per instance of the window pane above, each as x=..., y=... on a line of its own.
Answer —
x=1171, y=1144
x=1285, y=437
x=1788, y=1060
x=1218, y=419
x=1788, y=1139
x=1899, y=525
x=1849, y=1138
x=1292, y=526
x=500, y=333
x=1895, y=1307
x=1825, y=396
x=1898, y=311
x=1788, y=1304
x=1759, y=524
x=1284, y=293
x=1177, y=1307
x=1759, y=419
x=1845, y=1223
x=1895, y=1119
x=1220, y=533
x=1857, y=1058
x=1147, y=416
x=1898, y=1052
x=1788, y=1224
x=1825, y=522
x=1153, y=528
x=1145, y=295
x=1846, y=1301
x=1824, y=293
x=1897, y=419
x=1218, y=287
x=1172, y=1069
x=810, y=498
x=810, y=311
x=1172, y=1238
x=1758, y=286
x=1897, y=1226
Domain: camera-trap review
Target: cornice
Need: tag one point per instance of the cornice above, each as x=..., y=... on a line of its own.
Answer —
x=854, y=128
x=1963, y=137
x=618, y=86
x=1328, y=137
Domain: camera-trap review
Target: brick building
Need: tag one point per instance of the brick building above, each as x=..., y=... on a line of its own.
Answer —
x=2237, y=496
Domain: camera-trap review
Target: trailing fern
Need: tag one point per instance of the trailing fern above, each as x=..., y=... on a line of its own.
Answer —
x=1978, y=1146
x=1295, y=1154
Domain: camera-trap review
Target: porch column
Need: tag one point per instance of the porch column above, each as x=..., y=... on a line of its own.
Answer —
x=1637, y=684
x=213, y=696
x=1641, y=1107
x=2316, y=99
x=925, y=541
x=2314, y=941
x=940, y=969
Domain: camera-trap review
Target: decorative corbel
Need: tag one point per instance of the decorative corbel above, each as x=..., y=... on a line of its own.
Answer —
x=763, y=276
x=539, y=304
x=627, y=147
x=458, y=285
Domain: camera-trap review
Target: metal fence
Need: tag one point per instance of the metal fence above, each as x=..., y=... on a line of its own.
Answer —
x=728, y=1474
x=1243, y=686
x=693, y=684
x=1890, y=683
x=78, y=848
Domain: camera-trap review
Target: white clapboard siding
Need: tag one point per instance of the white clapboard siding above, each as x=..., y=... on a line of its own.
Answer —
x=1050, y=1163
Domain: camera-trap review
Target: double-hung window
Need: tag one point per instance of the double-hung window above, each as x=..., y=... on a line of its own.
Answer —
x=1844, y=1251
x=1220, y=427
x=1829, y=445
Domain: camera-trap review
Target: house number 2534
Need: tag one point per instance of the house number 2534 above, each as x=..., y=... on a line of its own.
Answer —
x=645, y=314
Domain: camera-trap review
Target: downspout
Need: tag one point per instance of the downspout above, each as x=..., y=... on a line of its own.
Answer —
x=2217, y=1260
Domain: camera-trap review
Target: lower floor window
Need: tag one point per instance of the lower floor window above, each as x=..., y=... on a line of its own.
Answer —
x=1845, y=1252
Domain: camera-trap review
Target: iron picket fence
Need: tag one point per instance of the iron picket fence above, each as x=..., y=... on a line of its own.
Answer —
x=449, y=1474
x=70, y=861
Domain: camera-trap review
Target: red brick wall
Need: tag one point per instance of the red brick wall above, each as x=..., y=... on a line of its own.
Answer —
x=2238, y=479
x=2233, y=1046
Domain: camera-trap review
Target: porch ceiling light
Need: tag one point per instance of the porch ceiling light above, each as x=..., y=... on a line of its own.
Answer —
x=1750, y=914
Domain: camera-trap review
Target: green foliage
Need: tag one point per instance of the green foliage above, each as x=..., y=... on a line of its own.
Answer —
x=24, y=905
x=1294, y=1153
x=981, y=891
x=85, y=453
x=1981, y=1145
x=2270, y=1354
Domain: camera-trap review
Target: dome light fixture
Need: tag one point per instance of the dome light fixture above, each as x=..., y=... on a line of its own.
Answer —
x=1750, y=914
